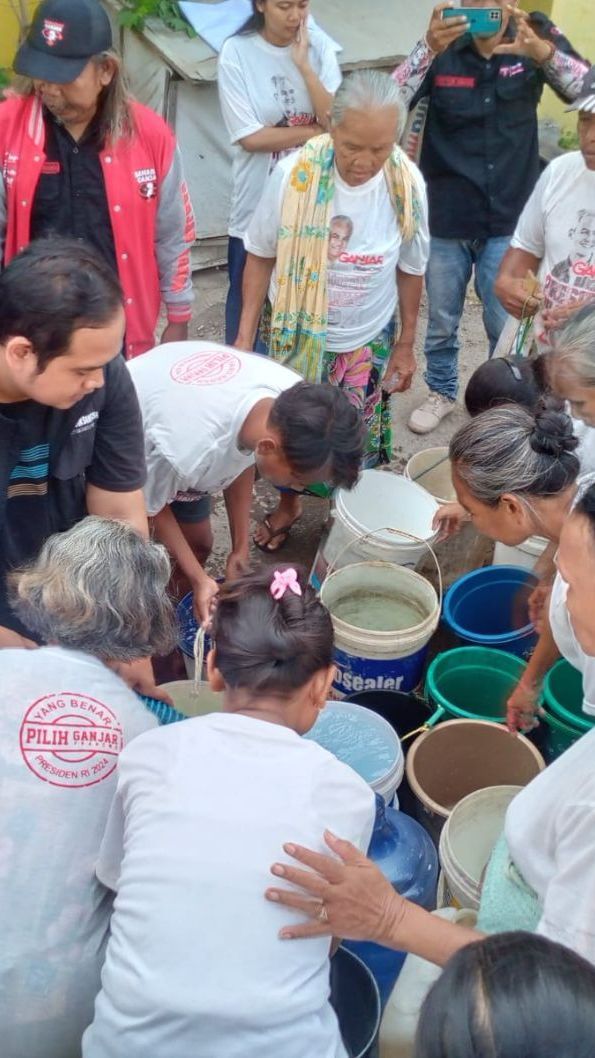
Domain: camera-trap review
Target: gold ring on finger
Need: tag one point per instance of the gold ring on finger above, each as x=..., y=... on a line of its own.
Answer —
x=322, y=913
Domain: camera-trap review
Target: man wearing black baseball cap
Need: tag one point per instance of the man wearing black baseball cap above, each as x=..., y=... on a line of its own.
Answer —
x=63, y=36
x=555, y=235
x=83, y=160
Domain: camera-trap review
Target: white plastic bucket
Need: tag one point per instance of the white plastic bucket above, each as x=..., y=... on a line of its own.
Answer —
x=363, y=740
x=184, y=696
x=380, y=661
x=437, y=479
x=467, y=840
x=401, y=1014
x=524, y=555
x=379, y=499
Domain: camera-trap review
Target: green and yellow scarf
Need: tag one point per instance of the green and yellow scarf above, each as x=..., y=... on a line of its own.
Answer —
x=299, y=318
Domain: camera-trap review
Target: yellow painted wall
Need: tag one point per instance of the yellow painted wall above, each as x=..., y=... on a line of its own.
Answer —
x=576, y=19
x=9, y=31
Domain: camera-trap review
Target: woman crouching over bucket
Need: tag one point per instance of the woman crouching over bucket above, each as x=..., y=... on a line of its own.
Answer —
x=97, y=595
x=541, y=876
x=194, y=967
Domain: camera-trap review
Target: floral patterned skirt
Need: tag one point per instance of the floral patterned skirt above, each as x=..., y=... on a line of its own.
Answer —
x=360, y=374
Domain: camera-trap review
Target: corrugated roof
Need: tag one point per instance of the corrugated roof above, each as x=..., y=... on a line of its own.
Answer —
x=372, y=32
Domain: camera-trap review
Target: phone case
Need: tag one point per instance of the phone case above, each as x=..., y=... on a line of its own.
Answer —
x=484, y=21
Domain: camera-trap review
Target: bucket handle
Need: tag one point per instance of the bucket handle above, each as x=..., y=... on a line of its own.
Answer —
x=397, y=532
x=429, y=724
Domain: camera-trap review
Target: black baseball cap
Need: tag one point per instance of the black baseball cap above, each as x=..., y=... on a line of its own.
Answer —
x=585, y=100
x=63, y=36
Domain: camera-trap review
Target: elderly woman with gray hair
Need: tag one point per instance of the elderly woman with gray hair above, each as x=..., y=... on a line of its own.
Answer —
x=340, y=243
x=97, y=596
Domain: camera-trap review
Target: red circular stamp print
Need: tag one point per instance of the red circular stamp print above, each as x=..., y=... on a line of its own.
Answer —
x=70, y=739
x=206, y=369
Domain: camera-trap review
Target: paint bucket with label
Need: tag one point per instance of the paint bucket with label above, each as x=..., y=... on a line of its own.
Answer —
x=467, y=840
x=472, y=683
x=193, y=702
x=432, y=470
x=524, y=555
x=364, y=741
x=383, y=616
x=458, y=757
x=359, y=519
x=356, y=1002
x=564, y=721
x=490, y=607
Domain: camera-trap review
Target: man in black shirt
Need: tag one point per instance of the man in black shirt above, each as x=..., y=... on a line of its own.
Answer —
x=71, y=438
x=480, y=158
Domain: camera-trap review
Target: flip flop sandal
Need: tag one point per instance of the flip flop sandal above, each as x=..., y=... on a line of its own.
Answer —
x=283, y=531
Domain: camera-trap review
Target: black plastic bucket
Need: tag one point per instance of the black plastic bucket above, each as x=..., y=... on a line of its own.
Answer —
x=356, y=1001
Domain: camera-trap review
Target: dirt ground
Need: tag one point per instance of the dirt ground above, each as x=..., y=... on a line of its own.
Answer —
x=457, y=556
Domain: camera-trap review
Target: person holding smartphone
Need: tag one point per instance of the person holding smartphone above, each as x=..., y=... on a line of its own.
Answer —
x=480, y=158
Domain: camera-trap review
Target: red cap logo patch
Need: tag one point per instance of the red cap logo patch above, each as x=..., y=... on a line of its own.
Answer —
x=52, y=32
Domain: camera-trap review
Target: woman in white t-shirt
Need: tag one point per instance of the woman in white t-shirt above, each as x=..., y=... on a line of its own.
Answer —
x=276, y=80
x=541, y=876
x=97, y=595
x=340, y=241
x=194, y=966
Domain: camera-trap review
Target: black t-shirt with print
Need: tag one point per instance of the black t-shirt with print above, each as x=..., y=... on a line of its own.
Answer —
x=47, y=458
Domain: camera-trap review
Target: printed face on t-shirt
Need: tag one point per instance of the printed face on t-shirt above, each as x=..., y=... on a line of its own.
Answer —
x=339, y=236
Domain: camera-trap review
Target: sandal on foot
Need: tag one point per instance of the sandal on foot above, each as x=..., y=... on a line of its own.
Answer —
x=283, y=531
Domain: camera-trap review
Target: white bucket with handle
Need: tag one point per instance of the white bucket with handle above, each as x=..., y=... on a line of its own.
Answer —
x=359, y=519
x=384, y=616
x=524, y=555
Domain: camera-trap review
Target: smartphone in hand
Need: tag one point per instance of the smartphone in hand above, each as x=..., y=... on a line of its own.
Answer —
x=483, y=21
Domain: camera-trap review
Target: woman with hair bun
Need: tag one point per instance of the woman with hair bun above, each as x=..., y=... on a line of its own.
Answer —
x=194, y=967
x=516, y=475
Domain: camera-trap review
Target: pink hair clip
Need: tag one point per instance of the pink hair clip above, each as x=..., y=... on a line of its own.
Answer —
x=282, y=580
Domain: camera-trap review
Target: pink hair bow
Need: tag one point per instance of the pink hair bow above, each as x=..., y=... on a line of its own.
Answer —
x=282, y=580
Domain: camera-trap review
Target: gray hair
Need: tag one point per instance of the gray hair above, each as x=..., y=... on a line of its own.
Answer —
x=573, y=345
x=99, y=588
x=509, y=450
x=369, y=90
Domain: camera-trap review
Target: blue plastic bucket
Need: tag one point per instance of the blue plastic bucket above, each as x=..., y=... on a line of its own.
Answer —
x=489, y=608
x=187, y=629
x=366, y=742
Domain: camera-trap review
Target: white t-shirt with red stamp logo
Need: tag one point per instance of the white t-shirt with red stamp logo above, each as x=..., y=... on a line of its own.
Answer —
x=558, y=226
x=365, y=247
x=195, y=398
x=195, y=967
x=261, y=87
x=64, y=719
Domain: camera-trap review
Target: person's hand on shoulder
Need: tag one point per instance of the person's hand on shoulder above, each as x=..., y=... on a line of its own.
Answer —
x=345, y=895
x=442, y=32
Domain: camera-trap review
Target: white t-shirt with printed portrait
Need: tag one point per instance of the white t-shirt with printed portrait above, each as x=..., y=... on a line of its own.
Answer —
x=65, y=718
x=195, y=967
x=261, y=87
x=558, y=226
x=365, y=247
x=194, y=399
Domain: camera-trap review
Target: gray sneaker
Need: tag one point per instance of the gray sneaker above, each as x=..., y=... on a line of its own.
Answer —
x=430, y=414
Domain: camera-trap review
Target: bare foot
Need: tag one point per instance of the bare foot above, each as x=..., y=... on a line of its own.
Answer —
x=288, y=512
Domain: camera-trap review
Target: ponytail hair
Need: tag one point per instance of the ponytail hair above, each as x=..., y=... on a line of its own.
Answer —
x=508, y=449
x=269, y=646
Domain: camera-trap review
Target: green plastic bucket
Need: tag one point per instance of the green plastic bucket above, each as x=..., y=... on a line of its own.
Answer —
x=563, y=706
x=472, y=683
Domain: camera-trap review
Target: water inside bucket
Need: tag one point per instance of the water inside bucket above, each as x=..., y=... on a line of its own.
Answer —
x=352, y=736
x=481, y=694
x=378, y=612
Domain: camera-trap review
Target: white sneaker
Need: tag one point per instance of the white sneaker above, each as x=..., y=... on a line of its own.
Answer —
x=431, y=413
